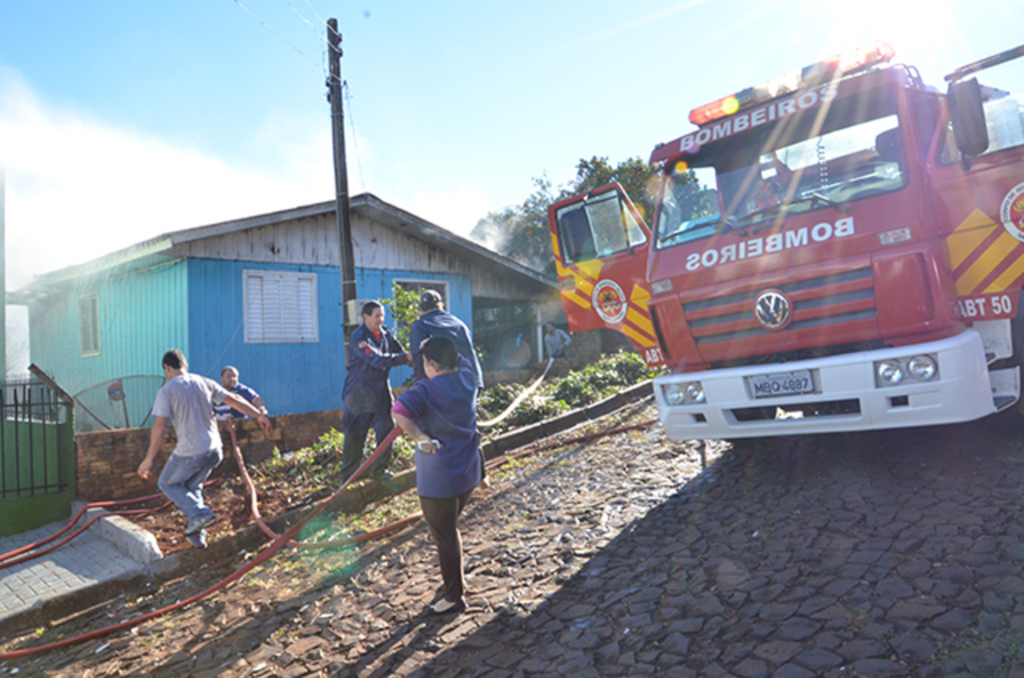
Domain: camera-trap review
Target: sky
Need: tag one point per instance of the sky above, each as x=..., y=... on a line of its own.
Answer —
x=124, y=119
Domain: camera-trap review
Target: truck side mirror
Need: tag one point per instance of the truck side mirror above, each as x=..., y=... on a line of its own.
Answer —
x=968, y=117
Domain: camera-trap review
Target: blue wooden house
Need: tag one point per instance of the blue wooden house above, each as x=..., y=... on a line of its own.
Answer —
x=260, y=293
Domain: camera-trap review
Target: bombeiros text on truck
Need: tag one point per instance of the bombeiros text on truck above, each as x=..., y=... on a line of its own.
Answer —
x=840, y=248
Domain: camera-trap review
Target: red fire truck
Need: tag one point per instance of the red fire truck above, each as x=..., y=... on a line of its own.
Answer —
x=837, y=249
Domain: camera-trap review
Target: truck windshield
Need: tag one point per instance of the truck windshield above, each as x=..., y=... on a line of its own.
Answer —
x=846, y=150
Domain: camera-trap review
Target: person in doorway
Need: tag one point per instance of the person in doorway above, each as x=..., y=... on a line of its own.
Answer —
x=439, y=414
x=187, y=400
x=229, y=380
x=434, y=321
x=555, y=340
x=372, y=352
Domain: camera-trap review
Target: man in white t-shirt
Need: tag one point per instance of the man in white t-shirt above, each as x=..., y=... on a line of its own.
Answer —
x=188, y=400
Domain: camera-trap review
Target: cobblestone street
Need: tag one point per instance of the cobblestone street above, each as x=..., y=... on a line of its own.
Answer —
x=881, y=554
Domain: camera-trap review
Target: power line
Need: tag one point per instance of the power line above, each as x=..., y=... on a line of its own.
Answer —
x=352, y=124
x=306, y=21
x=301, y=53
x=318, y=17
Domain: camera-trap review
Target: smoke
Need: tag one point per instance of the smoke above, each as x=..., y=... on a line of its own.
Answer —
x=78, y=188
x=487, y=232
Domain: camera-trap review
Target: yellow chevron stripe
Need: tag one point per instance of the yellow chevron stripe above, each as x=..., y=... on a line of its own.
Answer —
x=976, y=219
x=1012, y=272
x=637, y=337
x=584, y=285
x=968, y=235
x=986, y=263
x=582, y=282
x=640, y=320
x=962, y=244
x=583, y=302
x=640, y=296
x=591, y=268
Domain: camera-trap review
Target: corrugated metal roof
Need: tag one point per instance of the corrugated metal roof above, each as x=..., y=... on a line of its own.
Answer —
x=366, y=204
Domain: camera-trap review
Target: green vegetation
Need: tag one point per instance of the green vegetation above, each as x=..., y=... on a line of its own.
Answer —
x=317, y=467
x=577, y=389
x=404, y=309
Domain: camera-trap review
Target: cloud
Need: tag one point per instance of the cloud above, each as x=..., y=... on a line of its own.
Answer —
x=78, y=188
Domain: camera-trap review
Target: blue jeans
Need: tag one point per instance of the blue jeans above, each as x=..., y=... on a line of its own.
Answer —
x=182, y=480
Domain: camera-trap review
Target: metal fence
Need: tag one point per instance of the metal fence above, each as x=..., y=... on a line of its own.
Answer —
x=35, y=436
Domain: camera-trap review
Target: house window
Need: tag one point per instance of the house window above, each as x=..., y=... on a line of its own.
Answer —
x=89, y=325
x=421, y=286
x=280, y=307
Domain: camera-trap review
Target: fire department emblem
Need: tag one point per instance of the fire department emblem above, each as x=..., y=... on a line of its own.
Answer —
x=773, y=310
x=1011, y=212
x=609, y=301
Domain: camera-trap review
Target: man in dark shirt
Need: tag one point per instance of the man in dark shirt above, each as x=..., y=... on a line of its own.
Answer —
x=372, y=352
x=229, y=379
x=436, y=322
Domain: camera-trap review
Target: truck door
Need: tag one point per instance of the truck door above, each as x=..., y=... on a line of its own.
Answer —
x=984, y=198
x=601, y=244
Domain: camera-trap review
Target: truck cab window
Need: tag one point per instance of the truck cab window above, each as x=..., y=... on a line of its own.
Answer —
x=598, y=227
x=850, y=151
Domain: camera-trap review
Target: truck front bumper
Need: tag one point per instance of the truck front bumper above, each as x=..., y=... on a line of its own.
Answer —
x=847, y=395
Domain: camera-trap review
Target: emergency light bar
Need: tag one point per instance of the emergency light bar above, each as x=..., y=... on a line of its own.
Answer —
x=815, y=74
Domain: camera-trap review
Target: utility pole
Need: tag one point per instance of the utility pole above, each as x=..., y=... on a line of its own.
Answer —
x=346, y=261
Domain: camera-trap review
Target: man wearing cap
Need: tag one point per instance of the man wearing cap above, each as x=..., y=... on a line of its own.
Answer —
x=436, y=322
x=372, y=352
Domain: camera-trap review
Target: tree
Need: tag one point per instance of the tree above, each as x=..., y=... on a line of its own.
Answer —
x=521, y=232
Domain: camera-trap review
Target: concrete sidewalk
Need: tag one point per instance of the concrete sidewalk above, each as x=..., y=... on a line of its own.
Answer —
x=111, y=548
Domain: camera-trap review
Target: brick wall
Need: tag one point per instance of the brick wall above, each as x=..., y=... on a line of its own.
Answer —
x=107, y=460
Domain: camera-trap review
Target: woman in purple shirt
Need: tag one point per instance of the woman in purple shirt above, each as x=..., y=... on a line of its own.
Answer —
x=439, y=413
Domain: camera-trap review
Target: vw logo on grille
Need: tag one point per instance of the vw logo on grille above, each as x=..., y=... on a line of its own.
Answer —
x=772, y=309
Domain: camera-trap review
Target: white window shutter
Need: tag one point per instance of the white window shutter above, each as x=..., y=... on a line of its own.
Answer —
x=280, y=307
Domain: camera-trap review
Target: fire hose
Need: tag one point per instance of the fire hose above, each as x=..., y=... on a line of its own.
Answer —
x=280, y=542
x=8, y=559
x=515, y=403
x=333, y=543
x=287, y=538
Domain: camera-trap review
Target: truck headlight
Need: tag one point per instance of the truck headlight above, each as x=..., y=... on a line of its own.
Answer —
x=902, y=370
x=889, y=372
x=695, y=392
x=922, y=367
x=675, y=394
x=683, y=393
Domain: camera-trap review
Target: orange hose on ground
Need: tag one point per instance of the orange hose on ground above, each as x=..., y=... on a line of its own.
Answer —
x=333, y=543
x=286, y=538
x=274, y=547
x=81, y=512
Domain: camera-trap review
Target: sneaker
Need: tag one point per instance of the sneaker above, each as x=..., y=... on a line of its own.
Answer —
x=197, y=523
x=198, y=540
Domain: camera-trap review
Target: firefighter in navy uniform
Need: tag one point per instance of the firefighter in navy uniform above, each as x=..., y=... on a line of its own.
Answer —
x=372, y=352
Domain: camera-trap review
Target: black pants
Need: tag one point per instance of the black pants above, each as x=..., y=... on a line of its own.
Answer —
x=356, y=427
x=442, y=517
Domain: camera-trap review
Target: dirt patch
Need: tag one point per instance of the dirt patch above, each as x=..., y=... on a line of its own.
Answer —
x=283, y=483
x=229, y=499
